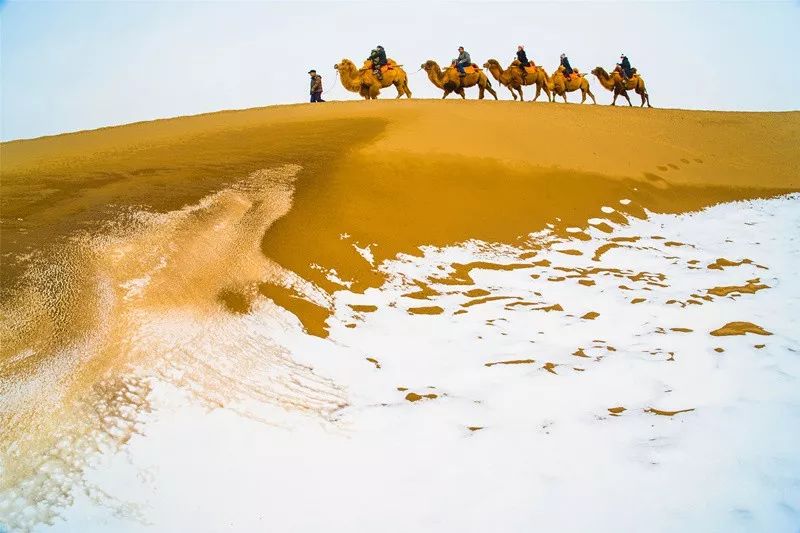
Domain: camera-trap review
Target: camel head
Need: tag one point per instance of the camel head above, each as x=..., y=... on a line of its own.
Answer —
x=491, y=63
x=430, y=65
x=345, y=64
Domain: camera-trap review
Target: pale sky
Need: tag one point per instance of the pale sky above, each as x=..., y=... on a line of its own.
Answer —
x=69, y=66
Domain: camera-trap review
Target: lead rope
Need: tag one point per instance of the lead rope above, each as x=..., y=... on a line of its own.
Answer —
x=325, y=89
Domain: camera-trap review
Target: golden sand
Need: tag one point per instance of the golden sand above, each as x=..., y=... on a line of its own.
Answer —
x=288, y=193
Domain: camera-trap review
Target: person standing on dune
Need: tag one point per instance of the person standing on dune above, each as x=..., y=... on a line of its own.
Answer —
x=316, y=86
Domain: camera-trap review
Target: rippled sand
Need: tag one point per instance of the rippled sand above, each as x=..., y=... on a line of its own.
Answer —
x=475, y=314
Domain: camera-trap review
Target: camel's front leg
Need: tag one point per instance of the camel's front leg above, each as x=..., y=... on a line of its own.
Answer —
x=521, y=98
x=446, y=92
x=481, y=92
x=461, y=93
x=513, y=94
x=583, y=96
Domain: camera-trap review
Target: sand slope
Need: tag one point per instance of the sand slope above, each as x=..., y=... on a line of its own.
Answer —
x=417, y=246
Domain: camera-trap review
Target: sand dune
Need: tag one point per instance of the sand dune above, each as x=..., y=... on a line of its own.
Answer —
x=387, y=270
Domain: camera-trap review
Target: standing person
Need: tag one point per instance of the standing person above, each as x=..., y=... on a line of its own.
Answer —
x=316, y=86
x=567, y=68
x=463, y=60
x=522, y=57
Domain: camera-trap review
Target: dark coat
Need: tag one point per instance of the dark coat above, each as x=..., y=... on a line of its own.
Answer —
x=567, y=68
x=522, y=57
x=378, y=57
x=626, y=66
x=316, y=84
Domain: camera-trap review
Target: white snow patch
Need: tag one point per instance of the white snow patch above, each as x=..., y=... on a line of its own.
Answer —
x=511, y=447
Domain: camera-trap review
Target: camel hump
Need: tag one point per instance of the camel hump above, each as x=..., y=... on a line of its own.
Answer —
x=532, y=70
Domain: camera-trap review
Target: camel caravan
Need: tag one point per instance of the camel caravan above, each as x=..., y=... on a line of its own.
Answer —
x=379, y=72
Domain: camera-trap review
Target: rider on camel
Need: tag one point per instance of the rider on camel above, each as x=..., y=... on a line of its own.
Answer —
x=625, y=67
x=522, y=57
x=463, y=60
x=378, y=59
x=567, y=68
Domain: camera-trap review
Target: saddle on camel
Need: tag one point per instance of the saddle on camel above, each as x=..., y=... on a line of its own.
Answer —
x=468, y=69
x=391, y=64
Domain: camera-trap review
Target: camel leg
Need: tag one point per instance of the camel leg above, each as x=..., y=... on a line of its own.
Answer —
x=399, y=86
x=461, y=93
x=628, y=98
x=492, y=92
x=513, y=94
x=446, y=92
x=538, y=92
x=480, y=92
x=589, y=92
x=521, y=99
x=583, y=96
x=564, y=96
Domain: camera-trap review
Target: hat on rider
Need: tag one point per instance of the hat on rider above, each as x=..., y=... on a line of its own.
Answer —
x=312, y=71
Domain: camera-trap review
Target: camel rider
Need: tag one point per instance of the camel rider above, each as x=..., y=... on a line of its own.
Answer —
x=567, y=68
x=463, y=60
x=625, y=66
x=522, y=57
x=378, y=58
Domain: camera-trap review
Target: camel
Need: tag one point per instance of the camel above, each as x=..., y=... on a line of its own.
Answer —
x=450, y=82
x=512, y=78
x=616, y=84
x=365, y=83
x=560, y=85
